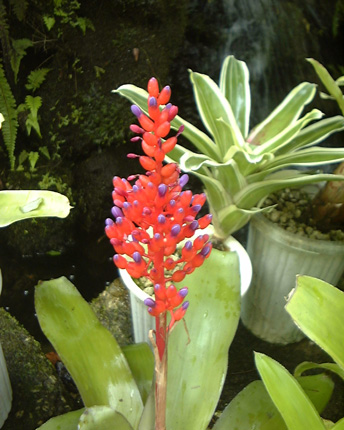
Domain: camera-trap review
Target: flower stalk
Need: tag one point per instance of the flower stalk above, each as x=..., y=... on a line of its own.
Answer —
x=152, y=217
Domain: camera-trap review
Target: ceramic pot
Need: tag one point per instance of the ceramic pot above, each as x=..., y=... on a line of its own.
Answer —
x=5, y=385
x=277, y=256
x=141, y=320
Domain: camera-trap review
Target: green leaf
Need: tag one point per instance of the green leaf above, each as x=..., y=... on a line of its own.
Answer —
x=9, y=112
x=253, y=409
x=253, y=193
x=313, y=134
x=141, y=362
x=330, y=84
x=284, y=115
x=297, y=410
x=88, y=350
x=36, y=78
x=287, y=134
x=212, y=107
x=19, y=48
x=234, y=84
x=104, y=418
x=197, y=359
x=339, y=425
x=202, y=142
x=317, y=308
x=49, y=21
x=22, y=204
x=68, y=421
x=308, y=365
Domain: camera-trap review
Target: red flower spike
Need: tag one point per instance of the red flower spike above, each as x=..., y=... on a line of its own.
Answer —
x=154, y=215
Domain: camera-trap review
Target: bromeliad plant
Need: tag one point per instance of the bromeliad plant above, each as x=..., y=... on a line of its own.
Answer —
x=151, y=218
x=238, y=167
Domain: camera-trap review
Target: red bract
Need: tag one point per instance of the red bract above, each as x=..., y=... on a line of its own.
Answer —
x=154, y=215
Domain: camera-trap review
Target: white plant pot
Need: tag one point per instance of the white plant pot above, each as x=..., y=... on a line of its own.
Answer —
x=277, y=256
x=141, y=320
x=5, y=385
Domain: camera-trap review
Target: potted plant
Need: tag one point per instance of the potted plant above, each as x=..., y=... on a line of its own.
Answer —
x=240, y=168
x=190, y=343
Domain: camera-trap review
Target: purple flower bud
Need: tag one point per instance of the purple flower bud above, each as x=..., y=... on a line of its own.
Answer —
x=183, y=292
x=146, y=211
x=137, y=257
x=189, y=218
x=180, y=130
x=157, y=236
x=116, y=212
x=188, y=245
x=185, y=305
x=135, y=139
x=184, y=179
x=149, y=302
x=168, y=106
x=135, y=203
x=161, y=219
x=162, y=189
x=136, y=111
x=180, y=211
x=153, y=102
x=135, y=188
x=126, y=205
x=205, y=251
x=175, y=230
x=172, y=202
x=119, y=220
x=108, y=221
x=157, y=287
x=196, y=208
x=194, y=225
x=136, y=129
x=130, y=155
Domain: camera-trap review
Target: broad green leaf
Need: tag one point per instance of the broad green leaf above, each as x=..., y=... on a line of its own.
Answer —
x=202, y=141
x=317, y=308
x=141, y=362
x=313, y=134
x=297, y=410
x=308, y=365
x=234, y=85
x=16, y=205
x=68, y=421
x=197, y=358
x=284, y=115
x=212, y=107
x=89, y=351
x=147, y=421
x=339, y=425
x=103, y=418
x=330, y=84
x=231, y=218
x=287, y=134
x=253, y=409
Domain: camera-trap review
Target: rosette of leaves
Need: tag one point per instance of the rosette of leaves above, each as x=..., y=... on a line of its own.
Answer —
x=239, y=167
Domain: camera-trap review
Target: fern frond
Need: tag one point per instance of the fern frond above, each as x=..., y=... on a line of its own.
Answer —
x=19, y=8
x=36, y=78
x=19, y=48
x=33, y=104
x=8, y=109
